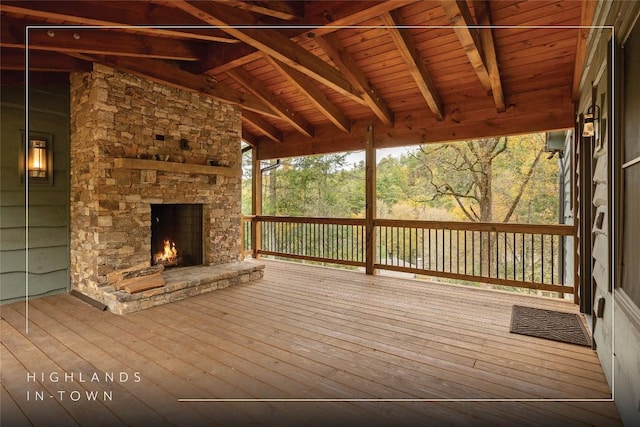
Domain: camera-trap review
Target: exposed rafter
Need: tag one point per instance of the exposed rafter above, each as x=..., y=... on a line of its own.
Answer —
x=586, y=18
x=265, y=128
x=529, y=112
x=250, y=138
x=99, y=42
x=460, y=17
x=483, y=15
x=411, y=56
x=320, y=21
x=313, y=93
x=287, y=10
x=285, y=112
x=348, y=66
x=117, y=13
x=236, y=23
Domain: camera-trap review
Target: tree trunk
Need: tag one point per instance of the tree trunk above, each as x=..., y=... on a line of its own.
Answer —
x=486, y=212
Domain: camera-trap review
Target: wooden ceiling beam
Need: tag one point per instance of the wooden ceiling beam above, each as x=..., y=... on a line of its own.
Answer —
x=313, y=93
x=249, y=138
x=461, y=19
x=265, y=128
x=271, y=43
x=118, y=13
x=330, y=43
x=483, y=16
x=321, y=18
x=98, y=42
x=285, y=112
x=407, y=49
x=162, y=72
x=586, y=19
x=528, y=112
x=287, y=10
x=14, y=59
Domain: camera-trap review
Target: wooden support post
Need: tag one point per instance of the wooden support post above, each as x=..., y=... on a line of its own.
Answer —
x=256, y=204
x=370, y=185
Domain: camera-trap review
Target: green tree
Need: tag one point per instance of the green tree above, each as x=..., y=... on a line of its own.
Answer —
x=318, y=186
x=486, y=178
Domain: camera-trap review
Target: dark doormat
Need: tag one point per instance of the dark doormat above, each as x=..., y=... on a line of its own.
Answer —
x=548, y=324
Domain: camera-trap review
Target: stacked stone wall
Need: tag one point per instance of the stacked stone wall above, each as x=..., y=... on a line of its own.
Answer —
x=115, y=115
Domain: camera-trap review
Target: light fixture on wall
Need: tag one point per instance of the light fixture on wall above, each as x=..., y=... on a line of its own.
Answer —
x=36, y=161
x=589, y=122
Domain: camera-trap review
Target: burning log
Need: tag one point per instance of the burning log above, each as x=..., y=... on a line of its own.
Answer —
x=169, y=256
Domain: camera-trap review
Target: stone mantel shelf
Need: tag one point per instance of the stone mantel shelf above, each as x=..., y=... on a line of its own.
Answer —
x=175, y=167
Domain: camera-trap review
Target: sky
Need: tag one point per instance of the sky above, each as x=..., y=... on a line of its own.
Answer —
x=381, y=153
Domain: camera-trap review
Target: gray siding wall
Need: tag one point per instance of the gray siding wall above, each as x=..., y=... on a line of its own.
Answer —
x=617, y=333
x=45, y=242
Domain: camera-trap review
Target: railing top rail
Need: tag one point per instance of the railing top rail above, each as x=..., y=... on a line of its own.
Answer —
x=311, y=220
x=549, y=229
x=555, y=229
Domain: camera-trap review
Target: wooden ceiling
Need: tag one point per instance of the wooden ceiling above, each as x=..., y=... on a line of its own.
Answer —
x=311, y=76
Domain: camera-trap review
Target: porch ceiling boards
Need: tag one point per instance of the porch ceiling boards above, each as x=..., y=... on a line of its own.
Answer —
x=322, y=71
x=302, y=332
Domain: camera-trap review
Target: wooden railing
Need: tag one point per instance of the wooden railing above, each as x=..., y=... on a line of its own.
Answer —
x=334, y=240
x=528, y=256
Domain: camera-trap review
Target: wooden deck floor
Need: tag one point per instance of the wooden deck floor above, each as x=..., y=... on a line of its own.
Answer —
x=300, y=333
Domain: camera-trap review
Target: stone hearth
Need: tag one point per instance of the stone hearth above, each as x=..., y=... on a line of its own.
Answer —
x=184, y=283
x=136, y=143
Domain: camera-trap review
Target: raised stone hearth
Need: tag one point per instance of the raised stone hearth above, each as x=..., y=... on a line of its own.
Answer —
x=136, y=144
x=184, y=283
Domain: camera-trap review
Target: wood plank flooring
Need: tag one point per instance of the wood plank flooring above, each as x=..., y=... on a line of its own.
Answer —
x=308, y=335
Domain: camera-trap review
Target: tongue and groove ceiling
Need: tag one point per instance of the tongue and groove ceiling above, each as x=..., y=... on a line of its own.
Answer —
x=311, y=76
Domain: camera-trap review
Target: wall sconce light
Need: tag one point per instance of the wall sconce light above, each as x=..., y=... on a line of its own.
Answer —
x=37, y=160
x=589, y=123
x=37, y=163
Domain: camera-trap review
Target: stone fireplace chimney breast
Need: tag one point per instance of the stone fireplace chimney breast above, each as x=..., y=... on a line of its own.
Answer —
x=119, y=169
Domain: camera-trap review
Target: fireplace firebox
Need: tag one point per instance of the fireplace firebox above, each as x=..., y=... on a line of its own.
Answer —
x=176, y=235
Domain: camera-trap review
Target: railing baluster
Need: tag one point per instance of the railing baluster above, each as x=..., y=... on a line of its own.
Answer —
x=497, y=240
x=450, y=253
x=444, y=255
x=352, y=239
x=533, y=267
x=458, y=251
x=514, y=256
x=473, y=252
x=422, y=245
x=505, y=254
x=524, y=261
x=437, y=249
x=429, y=237
x=542, y=258
x=553, y=281
x=481, y=259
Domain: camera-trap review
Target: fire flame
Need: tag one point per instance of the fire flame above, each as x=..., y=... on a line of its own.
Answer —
x=169, y=254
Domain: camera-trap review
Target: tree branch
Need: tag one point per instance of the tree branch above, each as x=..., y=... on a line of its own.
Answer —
x=473, y=217
x=522, y=187
x=501, y=150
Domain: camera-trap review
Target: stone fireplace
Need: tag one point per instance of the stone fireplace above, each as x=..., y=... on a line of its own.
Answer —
x=141, y=161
